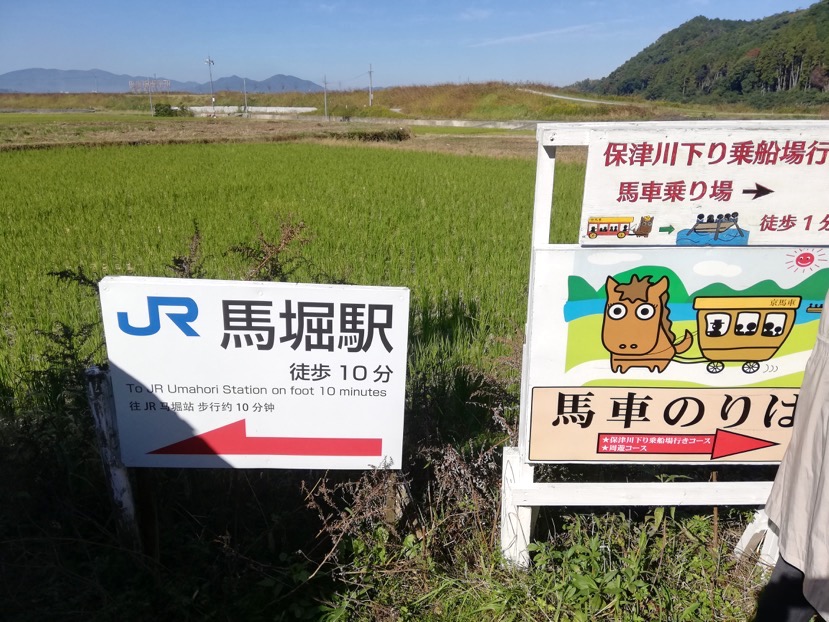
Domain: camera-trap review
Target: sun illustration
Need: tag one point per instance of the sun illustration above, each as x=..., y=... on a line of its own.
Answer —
x=806, y=259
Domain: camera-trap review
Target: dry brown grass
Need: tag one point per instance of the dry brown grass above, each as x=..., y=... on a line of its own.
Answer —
x=124, y=118
x=478, y=101
x=37, y=132
x=86, y=130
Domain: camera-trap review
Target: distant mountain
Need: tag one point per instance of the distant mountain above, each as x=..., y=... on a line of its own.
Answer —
x=98, y=81
x=713, y=59
x=274, y=84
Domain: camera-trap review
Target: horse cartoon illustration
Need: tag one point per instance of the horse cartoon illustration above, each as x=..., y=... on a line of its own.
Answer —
x=636, y=329
x=644, y=228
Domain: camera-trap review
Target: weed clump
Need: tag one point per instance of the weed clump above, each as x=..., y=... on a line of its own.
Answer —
x=398, y=134
x=168, y=110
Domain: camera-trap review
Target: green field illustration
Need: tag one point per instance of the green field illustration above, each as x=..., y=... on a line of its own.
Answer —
x=645, y=322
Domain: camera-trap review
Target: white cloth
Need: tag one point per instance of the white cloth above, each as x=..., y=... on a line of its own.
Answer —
x=799, y=501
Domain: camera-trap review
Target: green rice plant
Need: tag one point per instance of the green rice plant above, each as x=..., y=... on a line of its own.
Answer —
x=447, y=227
x=456, y=230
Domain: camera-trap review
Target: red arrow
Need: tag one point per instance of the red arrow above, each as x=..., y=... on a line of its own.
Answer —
x=731, y=443
x=718, y=445
x=232, y=440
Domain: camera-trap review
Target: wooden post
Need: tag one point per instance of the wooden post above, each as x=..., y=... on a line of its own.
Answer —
x=715, y=539
x=99, y=394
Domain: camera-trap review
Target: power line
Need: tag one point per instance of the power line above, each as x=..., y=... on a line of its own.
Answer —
x=325, y=85
x=210, y=64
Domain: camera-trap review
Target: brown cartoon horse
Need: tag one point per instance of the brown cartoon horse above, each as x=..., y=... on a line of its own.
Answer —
x=636, y=329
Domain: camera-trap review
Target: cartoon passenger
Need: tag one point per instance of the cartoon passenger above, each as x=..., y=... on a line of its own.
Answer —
x=636, y=329
x=746, y=324
x=717, y=326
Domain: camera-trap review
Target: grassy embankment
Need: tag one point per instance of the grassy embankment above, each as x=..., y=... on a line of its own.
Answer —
x=487, y=101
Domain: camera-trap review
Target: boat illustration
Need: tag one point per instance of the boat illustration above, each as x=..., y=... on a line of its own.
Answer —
x=715, y=225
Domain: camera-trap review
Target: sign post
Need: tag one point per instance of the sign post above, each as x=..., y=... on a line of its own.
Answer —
x=99, y=394
x=640, y=353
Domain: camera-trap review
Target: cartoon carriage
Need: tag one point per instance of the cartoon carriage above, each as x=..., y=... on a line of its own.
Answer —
x=618, y=226
x=743, y=328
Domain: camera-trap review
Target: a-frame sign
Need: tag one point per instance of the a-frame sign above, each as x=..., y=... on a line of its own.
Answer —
x=677, y=330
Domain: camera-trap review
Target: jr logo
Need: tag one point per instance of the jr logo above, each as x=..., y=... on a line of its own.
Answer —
x=154, y=303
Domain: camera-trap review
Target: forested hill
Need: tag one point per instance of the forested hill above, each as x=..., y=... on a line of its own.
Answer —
x=779, y=59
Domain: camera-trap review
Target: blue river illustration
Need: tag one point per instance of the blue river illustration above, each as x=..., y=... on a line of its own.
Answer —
x=575, y=309
x=688, y=237
x=714, y=230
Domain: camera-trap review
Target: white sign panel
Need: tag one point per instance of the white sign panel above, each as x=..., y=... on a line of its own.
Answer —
x=256, y=375
x=710, y=184
x=693, y=355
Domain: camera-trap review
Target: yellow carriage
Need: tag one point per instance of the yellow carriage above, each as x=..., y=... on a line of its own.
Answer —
x=743, y=328
x=618, y=226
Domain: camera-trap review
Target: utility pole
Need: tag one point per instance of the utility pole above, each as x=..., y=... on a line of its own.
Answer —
x=370, y=93
x=152, y=110
x=245, y=89
x=210, y=64
x=325, y=95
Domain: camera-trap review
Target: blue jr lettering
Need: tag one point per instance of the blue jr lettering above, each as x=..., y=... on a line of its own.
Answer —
x=154, y=304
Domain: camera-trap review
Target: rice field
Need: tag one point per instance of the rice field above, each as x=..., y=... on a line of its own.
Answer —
x=455, y=230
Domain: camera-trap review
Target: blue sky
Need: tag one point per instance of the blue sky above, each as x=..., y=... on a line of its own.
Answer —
x=555, y=42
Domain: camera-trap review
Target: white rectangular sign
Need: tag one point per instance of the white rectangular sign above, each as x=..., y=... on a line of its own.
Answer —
x=703, y=184
x=256, y=375
x=696, y=355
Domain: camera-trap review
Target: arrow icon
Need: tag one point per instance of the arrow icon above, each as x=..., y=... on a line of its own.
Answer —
x=668, y=229
x=721, y=444
x=232, y=440
x=759, y=191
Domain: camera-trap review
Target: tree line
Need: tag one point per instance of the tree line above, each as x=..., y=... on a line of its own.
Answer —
x=782, y=58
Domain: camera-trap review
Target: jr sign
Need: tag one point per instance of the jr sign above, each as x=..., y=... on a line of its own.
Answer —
x=262, y=375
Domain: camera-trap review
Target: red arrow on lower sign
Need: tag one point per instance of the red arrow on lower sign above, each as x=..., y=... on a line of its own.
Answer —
x=718, y=445
x=232, y=440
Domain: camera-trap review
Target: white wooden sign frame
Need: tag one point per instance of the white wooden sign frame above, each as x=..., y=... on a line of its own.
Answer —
x=521, y=495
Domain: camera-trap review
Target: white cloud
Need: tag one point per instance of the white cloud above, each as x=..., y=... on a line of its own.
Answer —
x=531, y=36
x=326, y=7
x=717, y=268
x=475, y=15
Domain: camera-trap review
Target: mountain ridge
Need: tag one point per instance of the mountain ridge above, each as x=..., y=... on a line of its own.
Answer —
x=39, y=80
x=783, y=56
